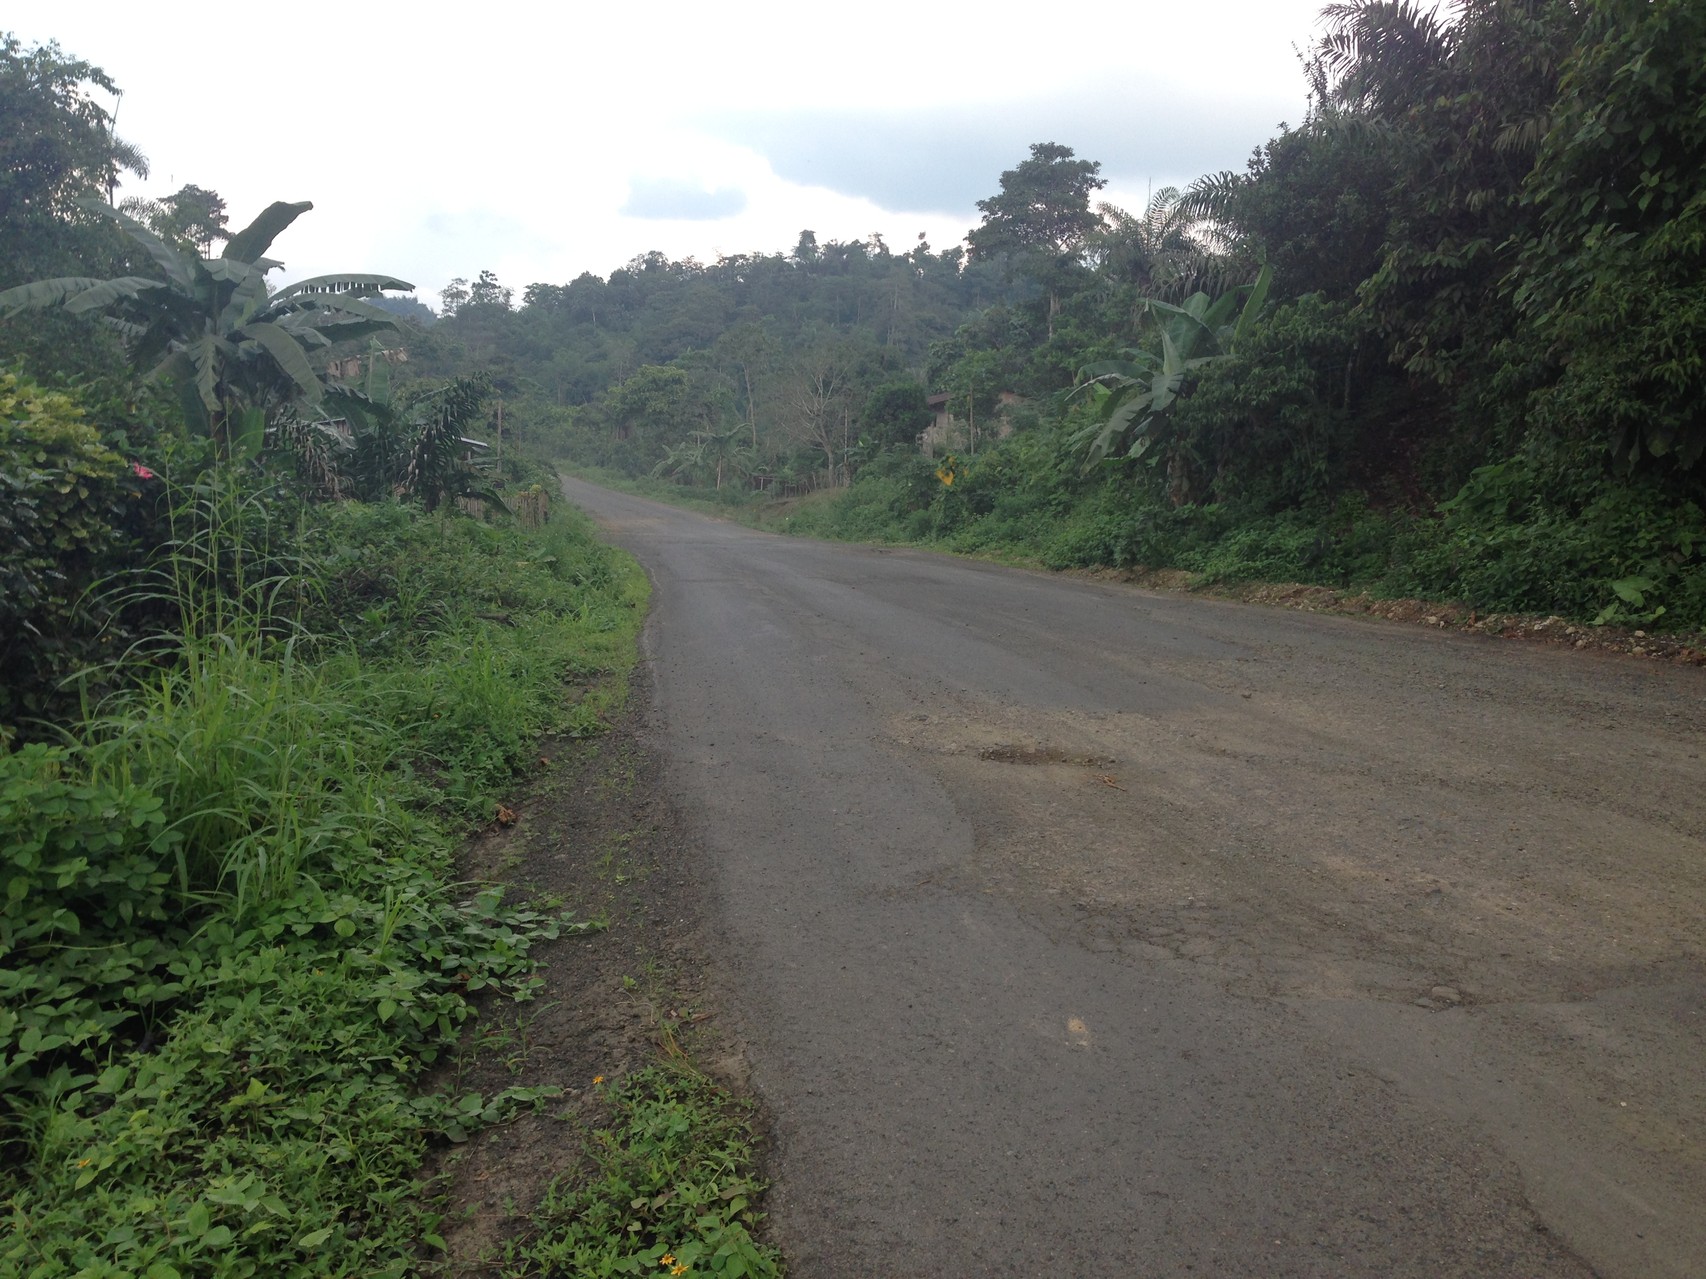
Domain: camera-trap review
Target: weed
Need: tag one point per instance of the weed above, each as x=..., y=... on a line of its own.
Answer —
x=229, y=942
x=668, y=1189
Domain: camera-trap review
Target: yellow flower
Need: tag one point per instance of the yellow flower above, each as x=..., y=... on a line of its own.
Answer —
x=668, y=1259
x=83, y=1163
x=598, y=1079
x=678, y=1270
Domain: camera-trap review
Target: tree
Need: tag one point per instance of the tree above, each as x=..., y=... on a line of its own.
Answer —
x=820, y=402
x=1613, y=276
x=748, y=349
x=453, y=296
x=238, y=355
x=1138, y=392
x=56, y=147
x=706, y=454
x=435, y=466
x=650, y=410
x=190, y=216
x=486, y=291
x=895, y=414
x=1041, y=218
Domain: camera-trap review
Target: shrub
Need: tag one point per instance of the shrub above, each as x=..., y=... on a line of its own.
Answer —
x=67, y=515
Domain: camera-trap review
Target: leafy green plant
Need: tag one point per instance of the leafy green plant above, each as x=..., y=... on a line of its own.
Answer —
x=1136, y=393
x=230, y=940
x=86, y=920
x=670, y=1190
x=238, y=352
x=65, y=518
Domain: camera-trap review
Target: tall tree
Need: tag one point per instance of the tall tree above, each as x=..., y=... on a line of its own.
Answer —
x=57, y=146
x=1613, y=277
x=190, y=216
x=1041, y=218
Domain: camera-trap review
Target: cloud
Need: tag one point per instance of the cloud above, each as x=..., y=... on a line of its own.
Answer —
x=947, y=157
x=675, y=200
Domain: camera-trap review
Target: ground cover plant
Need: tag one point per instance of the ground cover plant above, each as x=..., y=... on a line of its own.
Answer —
x=231, y=942
x=668, y=1189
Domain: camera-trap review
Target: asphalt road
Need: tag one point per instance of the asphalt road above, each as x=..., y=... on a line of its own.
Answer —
x=1071, y=926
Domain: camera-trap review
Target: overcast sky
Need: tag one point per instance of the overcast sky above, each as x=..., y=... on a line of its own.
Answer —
x=543, y=140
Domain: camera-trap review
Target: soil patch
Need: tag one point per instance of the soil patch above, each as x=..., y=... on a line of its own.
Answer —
x=593, y=832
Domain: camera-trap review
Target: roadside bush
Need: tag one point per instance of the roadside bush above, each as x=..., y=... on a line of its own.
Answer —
x=1625, y=549
x=83, y=863
x=68, y=518
x=230, y=943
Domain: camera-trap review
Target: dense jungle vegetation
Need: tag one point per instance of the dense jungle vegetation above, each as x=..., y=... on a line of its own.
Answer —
x=276, y=630
x=1443, y=338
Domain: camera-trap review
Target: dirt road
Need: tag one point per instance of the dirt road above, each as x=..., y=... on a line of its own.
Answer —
x=1071, y=926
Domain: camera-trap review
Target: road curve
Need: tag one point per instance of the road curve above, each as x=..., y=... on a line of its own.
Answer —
x=1072, y=926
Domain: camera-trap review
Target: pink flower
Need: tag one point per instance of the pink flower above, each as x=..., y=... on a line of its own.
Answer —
x=142, y=472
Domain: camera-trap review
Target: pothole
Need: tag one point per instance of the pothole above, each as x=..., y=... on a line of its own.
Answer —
x=1041, y=755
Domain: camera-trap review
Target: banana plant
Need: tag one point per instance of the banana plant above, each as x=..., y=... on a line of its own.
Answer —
x=1136, y=393
x=414, y=445
x=238, y=352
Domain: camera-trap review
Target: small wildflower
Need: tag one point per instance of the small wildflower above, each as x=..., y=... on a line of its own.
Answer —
x=141, y=472
x=84, y=1163
x=678, y=1270
x=598, y=1079
x=668, y=1259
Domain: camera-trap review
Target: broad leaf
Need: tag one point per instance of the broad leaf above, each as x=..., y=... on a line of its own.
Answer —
x=332, y=304
x=204, y=358
x=333, y=330
x=357, y=285
x=246, y=301
x=1253, y=305
x=246, y=432
x=256, y=238
x=287, y=353
x=105, y=292
x=230, y=269
x=44, y=293
x=171, y=260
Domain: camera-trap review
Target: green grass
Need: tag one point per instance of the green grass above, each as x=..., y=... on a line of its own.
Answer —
x=667, y=1189
x=231, y=944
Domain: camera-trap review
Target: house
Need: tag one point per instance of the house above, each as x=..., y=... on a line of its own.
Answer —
x=950, y=434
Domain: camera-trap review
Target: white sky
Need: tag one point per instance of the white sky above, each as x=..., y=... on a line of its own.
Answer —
x=541, y=141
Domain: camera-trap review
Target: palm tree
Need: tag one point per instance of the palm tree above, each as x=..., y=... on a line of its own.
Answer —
x=1154, y=251
x=1384, y=56
x=238, y=352
x=725, y=451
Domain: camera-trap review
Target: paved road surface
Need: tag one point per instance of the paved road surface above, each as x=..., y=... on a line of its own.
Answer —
x=1076, y=929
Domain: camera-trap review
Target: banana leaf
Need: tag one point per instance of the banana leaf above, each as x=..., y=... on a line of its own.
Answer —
x=256, y=238
x=357, y=285
x=287, y=353
x=44, y=293
x=105, y=292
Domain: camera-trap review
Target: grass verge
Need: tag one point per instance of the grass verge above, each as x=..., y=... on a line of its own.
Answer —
x=231, y=940
x=668, y=1188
